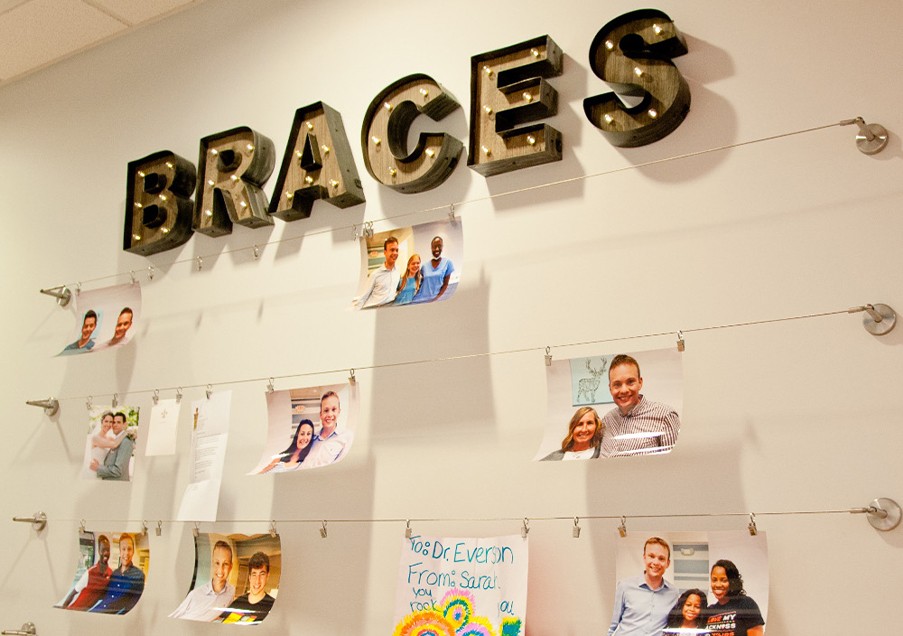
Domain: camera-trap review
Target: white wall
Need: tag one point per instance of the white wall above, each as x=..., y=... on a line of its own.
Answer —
x=797, y=415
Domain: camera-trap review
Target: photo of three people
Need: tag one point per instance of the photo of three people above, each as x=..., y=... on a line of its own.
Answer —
x=97, y=587
x=613, y=405
x=691, y=583
x=410, y=265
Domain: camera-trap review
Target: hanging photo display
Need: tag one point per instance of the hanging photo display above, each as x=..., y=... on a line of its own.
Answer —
x=106, y=318
x=671, y=583
x=235, y=580
x=161, y=433
x=309, y=427
x=209, y=435
x=613, y=405
x=110, y=443
x=462, y=586
x=110, y=574
x=411, y=265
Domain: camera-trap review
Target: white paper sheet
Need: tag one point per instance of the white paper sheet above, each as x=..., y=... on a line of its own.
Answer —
x=210, y=426
x=161, y=438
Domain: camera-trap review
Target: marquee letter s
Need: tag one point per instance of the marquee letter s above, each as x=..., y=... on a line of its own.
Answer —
x=633, y=54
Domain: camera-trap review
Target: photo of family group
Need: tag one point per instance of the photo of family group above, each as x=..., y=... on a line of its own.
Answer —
x=613, y=405
x=411, y=265
x=235, y=580
x=309, y=427
x=670, y=583
x=106, y=318
x=98, y=587
x=110, y=443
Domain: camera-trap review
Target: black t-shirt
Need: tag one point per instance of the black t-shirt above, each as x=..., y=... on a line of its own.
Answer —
x=733, y=618
x=242, y=611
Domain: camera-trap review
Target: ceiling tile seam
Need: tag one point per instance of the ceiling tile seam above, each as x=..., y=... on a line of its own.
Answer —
x=5, y=81
x=69, y=54
x=14, y=7
x=107, y=12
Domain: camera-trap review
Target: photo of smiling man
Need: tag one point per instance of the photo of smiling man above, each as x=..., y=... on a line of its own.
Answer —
x=382, y=284
x=121, y=333
x=253, y=607
x=92, y=585
x=411, y=265
x=236, y=578
x=598, y=406
x=108, y=318
x=309, y=427
x=206, y=602
x=637, y=425
x=86, y=341
x=330, y=444
x=115, y=582
x=642, y=603
x=701, y=571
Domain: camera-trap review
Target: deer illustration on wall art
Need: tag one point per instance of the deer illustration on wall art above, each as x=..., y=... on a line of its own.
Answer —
x=587, y=386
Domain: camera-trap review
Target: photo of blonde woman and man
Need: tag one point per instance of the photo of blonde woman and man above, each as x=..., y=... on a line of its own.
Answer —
x=411, y=265
x=235, y=580
x=110, y=575
x=106, y=318
x=613, y=405
x=692, y=583
x=309, y=427
x=110, y=443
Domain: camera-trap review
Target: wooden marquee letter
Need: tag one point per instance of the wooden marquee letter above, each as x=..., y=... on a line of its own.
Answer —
x=233, y=166
x=632, y=53
x=384, y=136
x=507, y=89
x=158, y=205
x=317, y=164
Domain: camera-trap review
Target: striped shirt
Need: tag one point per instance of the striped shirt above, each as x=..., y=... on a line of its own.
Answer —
x=648, y=428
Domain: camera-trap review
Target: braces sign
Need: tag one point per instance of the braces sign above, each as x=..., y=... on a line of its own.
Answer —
x=509, y=95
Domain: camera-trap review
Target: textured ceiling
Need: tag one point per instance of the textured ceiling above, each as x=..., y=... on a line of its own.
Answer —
x=35, y=34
